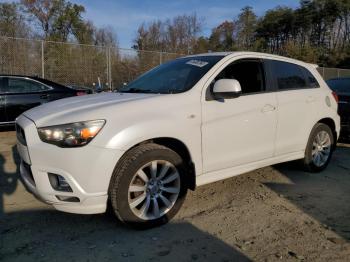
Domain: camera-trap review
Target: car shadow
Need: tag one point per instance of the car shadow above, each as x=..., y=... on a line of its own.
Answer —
x=44, y=234
x=7, y=128
x=56, y=236
x=50, y=235
x=8, y=180
x=324, y=196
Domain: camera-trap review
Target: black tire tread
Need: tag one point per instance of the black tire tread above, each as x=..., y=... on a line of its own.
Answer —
x=122, y=166
x=306, y=162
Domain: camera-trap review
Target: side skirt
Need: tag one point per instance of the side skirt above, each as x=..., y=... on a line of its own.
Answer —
x=218, y=175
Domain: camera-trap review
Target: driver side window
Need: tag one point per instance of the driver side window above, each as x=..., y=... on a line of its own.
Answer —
x=249, y=73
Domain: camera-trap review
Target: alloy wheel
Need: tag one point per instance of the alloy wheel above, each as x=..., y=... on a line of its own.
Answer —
x=154, y=189
x=321, y=148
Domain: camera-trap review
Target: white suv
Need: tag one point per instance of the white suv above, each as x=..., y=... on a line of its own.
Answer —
x=186, y=123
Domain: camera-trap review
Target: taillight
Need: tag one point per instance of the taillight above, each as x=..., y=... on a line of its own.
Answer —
x=80, y=93
x=335, y=96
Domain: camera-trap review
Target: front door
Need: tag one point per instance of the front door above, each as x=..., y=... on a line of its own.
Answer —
x=240, y=130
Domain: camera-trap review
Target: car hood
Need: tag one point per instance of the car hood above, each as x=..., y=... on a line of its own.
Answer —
x=75, y=108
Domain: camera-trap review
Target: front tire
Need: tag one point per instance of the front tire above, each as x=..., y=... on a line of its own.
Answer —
x=148, y=186
x=319, y=148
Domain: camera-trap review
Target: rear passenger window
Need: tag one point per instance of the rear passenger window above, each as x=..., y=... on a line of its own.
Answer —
x=20, y=85
x=288, y=76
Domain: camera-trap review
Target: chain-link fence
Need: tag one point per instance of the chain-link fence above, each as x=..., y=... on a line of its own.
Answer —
x=76, y=64
x=329, y=73
x=88, y=65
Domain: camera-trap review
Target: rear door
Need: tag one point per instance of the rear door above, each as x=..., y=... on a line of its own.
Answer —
x=22, y=94
x=298, y=99
x=3, y=117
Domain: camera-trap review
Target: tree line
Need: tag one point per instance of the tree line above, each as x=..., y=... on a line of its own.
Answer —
x=52, y=20
x=317, y=31
x=56, y=22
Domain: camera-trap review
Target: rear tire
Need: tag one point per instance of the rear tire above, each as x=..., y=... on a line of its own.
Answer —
x=148, y=186
x=319, y=148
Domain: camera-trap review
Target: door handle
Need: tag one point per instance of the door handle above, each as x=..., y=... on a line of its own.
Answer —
x=268, y=108
x=44, y=96
x=310, y=99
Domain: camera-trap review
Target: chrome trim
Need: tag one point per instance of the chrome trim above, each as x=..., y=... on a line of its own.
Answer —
x=6, y=123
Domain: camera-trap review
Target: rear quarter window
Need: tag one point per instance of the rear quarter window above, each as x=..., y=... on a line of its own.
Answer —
x=312, y=82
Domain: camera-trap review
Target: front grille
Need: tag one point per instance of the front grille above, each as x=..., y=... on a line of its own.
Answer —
x=21, y=135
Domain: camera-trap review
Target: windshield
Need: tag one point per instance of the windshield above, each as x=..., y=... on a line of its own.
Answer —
x=340, y=85
x=176, y=76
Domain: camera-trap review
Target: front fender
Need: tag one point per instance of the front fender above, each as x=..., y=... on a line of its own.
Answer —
x=139, y=132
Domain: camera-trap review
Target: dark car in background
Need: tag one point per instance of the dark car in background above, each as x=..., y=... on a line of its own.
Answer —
x=341, y=86
x=20, y=93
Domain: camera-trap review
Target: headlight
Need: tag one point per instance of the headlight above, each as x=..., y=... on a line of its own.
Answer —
x=71, y=135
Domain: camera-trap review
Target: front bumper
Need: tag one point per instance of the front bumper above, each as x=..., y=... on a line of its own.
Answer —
x=86, y=169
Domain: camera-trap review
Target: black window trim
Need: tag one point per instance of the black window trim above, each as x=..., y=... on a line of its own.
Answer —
x=5, y=82
x=307, y=78
x=267, y=80
x=274, y=83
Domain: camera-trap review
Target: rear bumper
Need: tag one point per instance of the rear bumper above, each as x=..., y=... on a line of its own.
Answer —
x=345, y=131
x=87, y=170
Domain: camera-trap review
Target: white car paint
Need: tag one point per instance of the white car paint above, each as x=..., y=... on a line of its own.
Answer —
x=224, y=138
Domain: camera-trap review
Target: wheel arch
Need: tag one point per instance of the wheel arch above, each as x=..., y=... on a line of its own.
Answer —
x=180, y=148
x=331, y=123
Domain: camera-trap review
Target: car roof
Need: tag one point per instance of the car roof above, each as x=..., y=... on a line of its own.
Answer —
x=37, y=78
x=25, y=76
x=257, y=54
x=28, y=76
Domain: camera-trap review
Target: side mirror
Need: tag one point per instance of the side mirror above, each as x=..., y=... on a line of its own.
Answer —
x=227, y=88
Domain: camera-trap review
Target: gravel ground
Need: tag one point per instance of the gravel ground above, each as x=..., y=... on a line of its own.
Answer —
x=272, y=214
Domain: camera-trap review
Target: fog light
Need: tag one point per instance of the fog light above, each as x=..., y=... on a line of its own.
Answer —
x=59, y=183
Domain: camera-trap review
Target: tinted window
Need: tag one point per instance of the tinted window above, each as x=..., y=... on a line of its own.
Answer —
x=312, y=80
x=250, y=74
x=340, y=85
x=289, y=76
x=20, y=85
x=2, y=89
x=176, y=76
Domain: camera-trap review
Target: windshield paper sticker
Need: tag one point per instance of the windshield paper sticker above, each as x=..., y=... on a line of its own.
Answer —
x=198, y=63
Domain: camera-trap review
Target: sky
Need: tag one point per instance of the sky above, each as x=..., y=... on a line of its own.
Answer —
x=125, y=16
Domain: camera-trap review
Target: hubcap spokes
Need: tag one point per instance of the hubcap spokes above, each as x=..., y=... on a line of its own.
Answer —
x=321, y=148
x=154, y=189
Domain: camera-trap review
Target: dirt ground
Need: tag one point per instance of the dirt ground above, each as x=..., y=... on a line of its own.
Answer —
x=273, y=214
